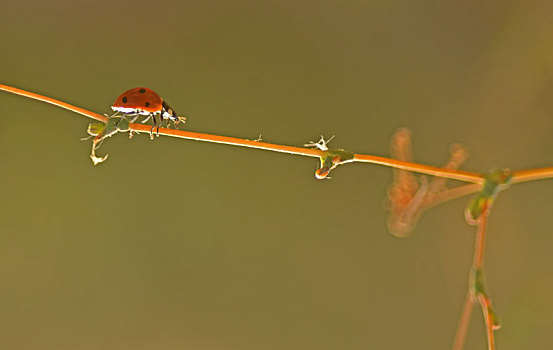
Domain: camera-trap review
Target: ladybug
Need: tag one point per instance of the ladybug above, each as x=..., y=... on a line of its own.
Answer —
x=144, y=101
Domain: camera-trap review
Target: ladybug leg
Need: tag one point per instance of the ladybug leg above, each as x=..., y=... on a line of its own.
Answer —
x=153, y=127
x=132, y=117
x=119, y=122
x=147, y=118
x=160, y=123
x=135, y=117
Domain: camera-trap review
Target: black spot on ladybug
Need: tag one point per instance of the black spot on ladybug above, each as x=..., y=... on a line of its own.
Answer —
x=147, y=104
x=142, y=91
x=124, y=99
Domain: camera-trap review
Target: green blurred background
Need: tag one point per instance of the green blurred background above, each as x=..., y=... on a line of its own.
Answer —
x=176, y=244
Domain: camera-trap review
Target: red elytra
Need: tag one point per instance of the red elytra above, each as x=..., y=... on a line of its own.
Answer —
x=144, y=101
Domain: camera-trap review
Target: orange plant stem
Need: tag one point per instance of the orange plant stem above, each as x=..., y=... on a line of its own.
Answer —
x=190, y=135
x=532, y=174
x=55, y=102
x=485, y=304
x=463, y=326
x=478, y=262
x=460, y=175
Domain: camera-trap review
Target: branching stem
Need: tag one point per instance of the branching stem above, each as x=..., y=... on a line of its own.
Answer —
x=476, y=179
